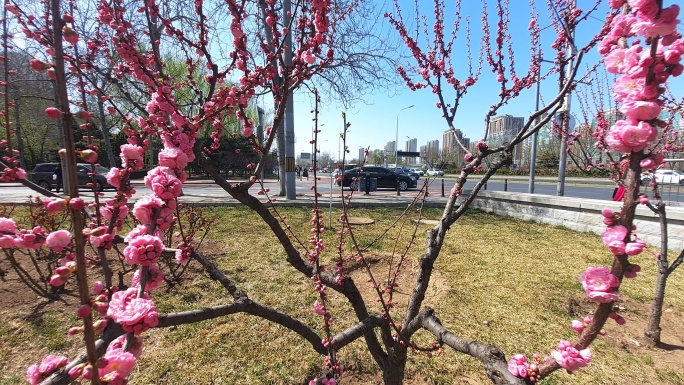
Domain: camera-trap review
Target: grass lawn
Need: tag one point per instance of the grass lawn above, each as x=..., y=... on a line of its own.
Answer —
x=498, y=280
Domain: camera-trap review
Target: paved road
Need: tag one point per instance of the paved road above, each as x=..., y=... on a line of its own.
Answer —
x=573, y=188
x=198, y=191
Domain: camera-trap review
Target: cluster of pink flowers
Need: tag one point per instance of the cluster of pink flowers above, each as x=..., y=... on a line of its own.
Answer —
x=164, y=183
x=64, y=271
x=111, y=206
x=641, y=102
x=144, y=250
x=519, y=366
x=50, y=364
x=569, y=358
x=31, y=239
x=148, y=206
x=132, y=157
x=134, y=314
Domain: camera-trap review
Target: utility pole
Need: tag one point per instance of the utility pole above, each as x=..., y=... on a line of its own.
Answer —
x=535, y=137
x=396, y=141
x=260, y=136
x=560, y=188
x=290, y=183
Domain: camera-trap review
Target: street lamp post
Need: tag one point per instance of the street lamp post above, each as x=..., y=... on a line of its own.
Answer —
x=396, y=142
x=535, y=137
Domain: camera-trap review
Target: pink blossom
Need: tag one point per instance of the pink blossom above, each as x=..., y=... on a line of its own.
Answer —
x=154, y=278
x=173, y=157
x=89, y=156
x=569, y=358
x=620, y=59
x=134, y=314
x=640, y=109
x=599, y=284
x=53, y=113
x=115, y=177
x=144, y=208
x=634, y=248
x=98, y=286
x=37, y=373
x=646, y=8
x=308, y=57
x=656, y=27
x=77, y=203
x=518, y=365
x=136, y=232
x=110, y=207
x=637, y=137
x=58, y=240
x=578, y=326
x=164, y=183
x=119, y=364
x=70, y=35
x=7, y=230
x=319, y=308
x=7, y=226
x=614, y=233
x=144, y=250
x=54, y=205
x=607, y=213
x=617, y=247
x=131, y=156
x=135, y=346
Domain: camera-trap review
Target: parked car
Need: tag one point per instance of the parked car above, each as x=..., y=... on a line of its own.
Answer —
x=418, y=171
x=407, y=171
x=435, y=172
x=386, y=178
x=663, y=177
x=42, y=176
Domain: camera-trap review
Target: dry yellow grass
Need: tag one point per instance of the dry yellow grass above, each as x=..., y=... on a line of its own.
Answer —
x=498, y=280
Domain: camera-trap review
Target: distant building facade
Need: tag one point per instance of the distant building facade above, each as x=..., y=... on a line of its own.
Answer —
x=452, y=151
x=503, y=129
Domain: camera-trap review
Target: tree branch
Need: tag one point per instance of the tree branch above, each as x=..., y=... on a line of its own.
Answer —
x=491, y=356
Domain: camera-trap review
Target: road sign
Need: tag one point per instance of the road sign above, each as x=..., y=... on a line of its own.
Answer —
x=558, y=120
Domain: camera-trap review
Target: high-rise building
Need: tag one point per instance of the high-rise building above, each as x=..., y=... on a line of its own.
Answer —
x=452, y=151
x=390, y=147
x=362, y=155
x=503, y=129
x=430, y=153
x=412, y=146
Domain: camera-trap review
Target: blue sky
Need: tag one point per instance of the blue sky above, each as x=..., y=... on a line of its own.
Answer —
x=373, y=124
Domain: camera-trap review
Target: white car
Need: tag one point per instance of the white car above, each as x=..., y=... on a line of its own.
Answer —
x=418, y=171
x=663, y=177
x=435, y=172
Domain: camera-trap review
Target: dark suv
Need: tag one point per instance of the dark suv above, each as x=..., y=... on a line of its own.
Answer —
x=42, y=176
x=386, y=178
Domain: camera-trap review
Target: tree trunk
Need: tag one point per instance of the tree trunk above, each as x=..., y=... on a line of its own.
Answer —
x=395, y=365
x=652, y=332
